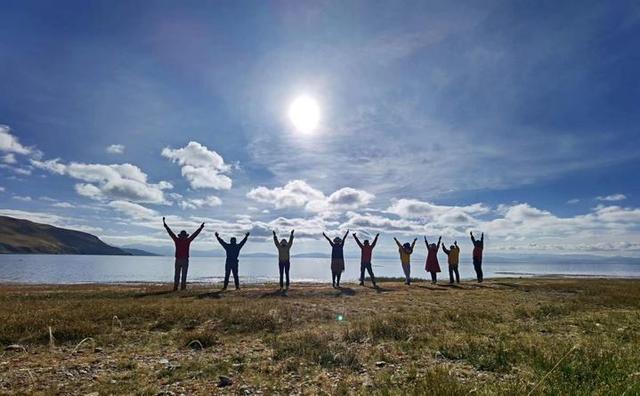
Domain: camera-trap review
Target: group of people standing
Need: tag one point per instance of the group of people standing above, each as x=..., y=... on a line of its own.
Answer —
x=232, y=248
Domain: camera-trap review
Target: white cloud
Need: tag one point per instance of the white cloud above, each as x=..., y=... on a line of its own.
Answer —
x=203, y=168
x=22, y=171
x=22, y=198
x=573, y=201
x=2, y=189
x=52, y=165
x=62, y=205
x=115, y=181
x=9, y=158
x=196, y=203
x=415, y=209
x=296, y=193
x=10, y=143
x=17, y=170
x=612, y=198
x=299, y=194
x=133, y=210
x=115, y=149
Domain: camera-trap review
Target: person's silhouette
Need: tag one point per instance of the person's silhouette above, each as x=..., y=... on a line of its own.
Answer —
x=231, y=264
x=366, y=253
x=405, y=251
x=284, y=263
x=182, y=243
x=337, y=257
x=478, y=246
x=453, y=257
x=432, y=266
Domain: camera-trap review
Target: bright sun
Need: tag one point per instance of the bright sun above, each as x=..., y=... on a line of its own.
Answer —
x=304, y=113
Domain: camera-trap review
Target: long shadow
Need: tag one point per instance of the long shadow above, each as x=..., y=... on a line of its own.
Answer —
x=216, y=294
x=275, y=293
x=153, y=293
x=382, y=290
x=511, y=285
x=345, y=291
x=482, y=285
x=435, y=288
x=452, y=286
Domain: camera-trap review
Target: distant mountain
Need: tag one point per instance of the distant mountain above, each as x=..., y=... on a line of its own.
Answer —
x=312, y=255
x=260, y=254
x=138, y=252
x=24, y=236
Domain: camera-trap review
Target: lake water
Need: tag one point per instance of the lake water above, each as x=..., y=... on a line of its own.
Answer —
x=108, y=269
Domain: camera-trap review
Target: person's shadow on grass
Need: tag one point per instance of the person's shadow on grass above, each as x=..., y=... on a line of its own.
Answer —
x=452, y=285
x=345, y=291
x=215, y=294
x=154, y=293
x=433, y=287
x=275, y=293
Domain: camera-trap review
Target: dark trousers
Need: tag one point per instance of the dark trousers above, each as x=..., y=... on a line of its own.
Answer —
x=284, y=265
x=181, y=268
x=434, y=276
x=477, y=265
x=452, y=271
x=230, y=267
x=335, y=277
x=367, y=266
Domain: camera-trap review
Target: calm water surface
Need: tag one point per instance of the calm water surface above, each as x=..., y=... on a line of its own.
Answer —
x=107, y=269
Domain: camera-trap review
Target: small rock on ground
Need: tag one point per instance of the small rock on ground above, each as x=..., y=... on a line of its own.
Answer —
x=224, y=381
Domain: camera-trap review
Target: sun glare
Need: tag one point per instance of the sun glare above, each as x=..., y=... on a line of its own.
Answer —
x=304, y=113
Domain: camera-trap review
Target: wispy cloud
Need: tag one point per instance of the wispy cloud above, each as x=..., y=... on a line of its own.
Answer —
x=10, y=143
x=612, y=198
x=115, y=149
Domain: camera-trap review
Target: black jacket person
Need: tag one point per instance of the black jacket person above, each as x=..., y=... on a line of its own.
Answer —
x=231, y=264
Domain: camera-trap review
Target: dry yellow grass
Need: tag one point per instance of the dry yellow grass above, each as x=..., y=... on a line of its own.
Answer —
x=552, y=336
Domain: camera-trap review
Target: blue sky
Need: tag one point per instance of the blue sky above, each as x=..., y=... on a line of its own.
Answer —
x=518, y=119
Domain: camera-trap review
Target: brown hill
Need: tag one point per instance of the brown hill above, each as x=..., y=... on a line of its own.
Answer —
x=23, y=236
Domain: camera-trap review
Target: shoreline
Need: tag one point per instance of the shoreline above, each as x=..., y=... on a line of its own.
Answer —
x=275, y=282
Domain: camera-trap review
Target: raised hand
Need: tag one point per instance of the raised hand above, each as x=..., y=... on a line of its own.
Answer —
x=247, y=234
x=216, y=234
x=163, y=219
x=202, y=225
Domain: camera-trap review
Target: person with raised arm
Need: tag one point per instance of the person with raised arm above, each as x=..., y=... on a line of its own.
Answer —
x=182, y=243
x=231, y=263
x=453, y=256
x=405, y=258
x=366, y=252
x=337, y=257
x=478, y=246
x=284, y=247
x=432, y=266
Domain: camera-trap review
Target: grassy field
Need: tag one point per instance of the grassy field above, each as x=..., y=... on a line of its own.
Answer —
x=509, y=337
